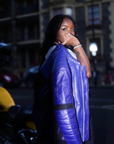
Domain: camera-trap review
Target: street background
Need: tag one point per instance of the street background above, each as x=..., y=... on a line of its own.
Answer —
x=22, y=26
x=101, y=107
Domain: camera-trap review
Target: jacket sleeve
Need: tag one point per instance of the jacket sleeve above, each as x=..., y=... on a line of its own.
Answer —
x=64, y=106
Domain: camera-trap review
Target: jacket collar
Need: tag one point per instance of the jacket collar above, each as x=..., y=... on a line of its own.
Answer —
x=53, y=47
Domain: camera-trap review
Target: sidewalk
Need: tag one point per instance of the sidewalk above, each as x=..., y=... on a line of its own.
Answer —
x=99, y=85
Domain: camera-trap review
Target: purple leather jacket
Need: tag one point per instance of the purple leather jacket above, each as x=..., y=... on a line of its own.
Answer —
x=69, y=85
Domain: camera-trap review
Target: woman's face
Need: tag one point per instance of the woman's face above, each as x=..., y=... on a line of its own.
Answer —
x=67, y=26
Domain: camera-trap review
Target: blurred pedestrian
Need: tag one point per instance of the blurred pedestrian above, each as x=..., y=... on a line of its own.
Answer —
x=61, y=96
x=108, y=74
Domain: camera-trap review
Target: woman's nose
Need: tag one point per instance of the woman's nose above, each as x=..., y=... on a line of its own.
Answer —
x=69, y=31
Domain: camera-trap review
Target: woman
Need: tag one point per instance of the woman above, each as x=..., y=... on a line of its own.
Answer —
x=61, y=101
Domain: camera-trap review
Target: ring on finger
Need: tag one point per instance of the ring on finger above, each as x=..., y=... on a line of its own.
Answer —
x=68, y=33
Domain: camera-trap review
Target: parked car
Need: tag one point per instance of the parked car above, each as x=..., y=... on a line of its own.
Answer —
x=30, y=75
x=8, y=79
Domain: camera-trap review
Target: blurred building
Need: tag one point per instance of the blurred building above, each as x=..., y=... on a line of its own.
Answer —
x=23, y=24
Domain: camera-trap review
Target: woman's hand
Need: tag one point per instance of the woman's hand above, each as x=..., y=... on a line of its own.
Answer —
x=80, y=53
x=70, y=40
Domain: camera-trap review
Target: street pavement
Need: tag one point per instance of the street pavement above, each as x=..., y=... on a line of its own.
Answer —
x=101, y=108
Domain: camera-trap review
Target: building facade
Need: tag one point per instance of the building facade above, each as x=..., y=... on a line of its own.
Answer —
x=23, y=24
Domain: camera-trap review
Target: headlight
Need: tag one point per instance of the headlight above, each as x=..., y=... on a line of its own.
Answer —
x=7, y=78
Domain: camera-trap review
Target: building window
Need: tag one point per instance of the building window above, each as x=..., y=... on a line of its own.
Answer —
x=57, y=11
x=96, y=15
x=68, y=11
x=5, y=34
x=25, y=7
x=21, y=33
x=23, y=59
x=5, y=9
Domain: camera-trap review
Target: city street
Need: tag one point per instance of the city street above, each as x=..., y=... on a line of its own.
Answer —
x=101, y=107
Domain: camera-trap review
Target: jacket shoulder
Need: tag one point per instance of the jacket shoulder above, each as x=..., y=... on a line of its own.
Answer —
x=60, y=60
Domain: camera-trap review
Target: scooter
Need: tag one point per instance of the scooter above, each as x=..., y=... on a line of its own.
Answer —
x=16, y=122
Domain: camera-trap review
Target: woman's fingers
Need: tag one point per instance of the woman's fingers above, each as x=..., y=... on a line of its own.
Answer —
x=64, y=43
x=69, y=39
x=66, y=38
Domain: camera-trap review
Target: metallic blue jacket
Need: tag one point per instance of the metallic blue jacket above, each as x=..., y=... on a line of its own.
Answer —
x=69, y=85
